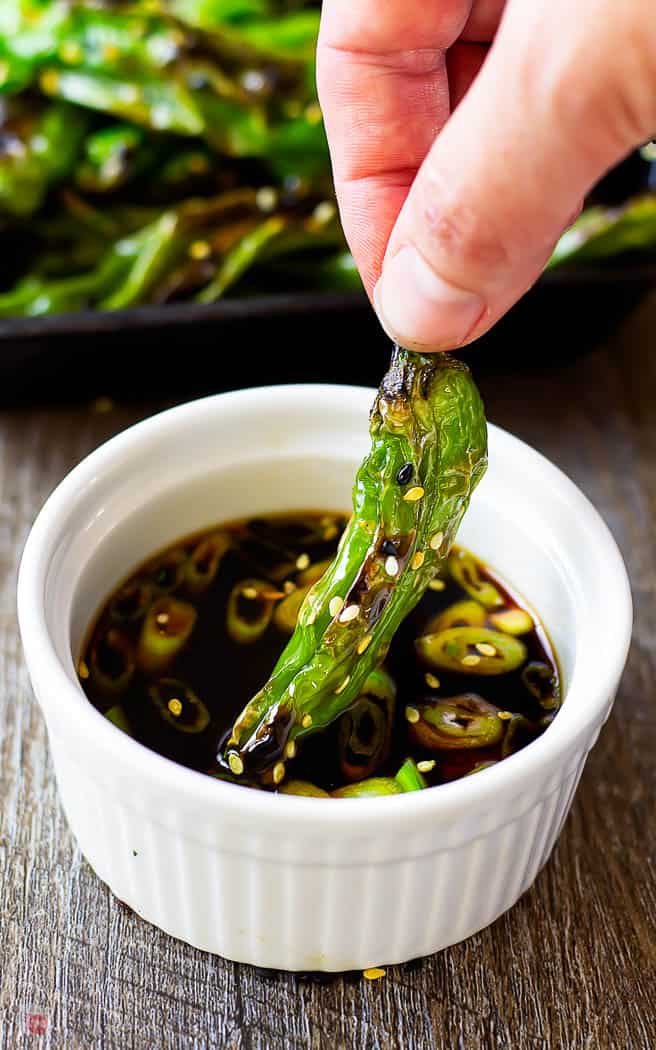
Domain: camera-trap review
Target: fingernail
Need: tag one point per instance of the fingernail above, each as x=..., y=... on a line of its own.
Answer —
x=419, y=309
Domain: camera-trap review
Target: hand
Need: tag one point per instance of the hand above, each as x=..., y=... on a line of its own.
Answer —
x=464, y=137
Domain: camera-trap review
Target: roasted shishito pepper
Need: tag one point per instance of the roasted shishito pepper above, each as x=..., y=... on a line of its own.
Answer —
x=131, y=112
x=141, y=63
x=428, y=453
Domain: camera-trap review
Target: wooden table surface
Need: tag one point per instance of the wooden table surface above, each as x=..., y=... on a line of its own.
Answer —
x=572, y=966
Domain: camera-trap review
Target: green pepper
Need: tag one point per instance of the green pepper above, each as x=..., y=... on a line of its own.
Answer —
x=516, y=725
x=131, y=602
x=208, y=14
x=241, y=258
x=112, y=156
x=409, y=778
x=313, y=572
x=117, y=716
x=471, y=650
x=365, y=730
x=179, y=706
x=249, y=610
x=111, y=663
x=427, y=417
x=203, y=564
x=456, y=722
x=480, y=766
x=39, y=147
x=165, y=632
x=302, y=787
x=374, y=786
x=167, y=571
x=602, y=232
x=542, y=683
x=465, y=570
x=467, y=613
x=513, y=621
x=286, y=613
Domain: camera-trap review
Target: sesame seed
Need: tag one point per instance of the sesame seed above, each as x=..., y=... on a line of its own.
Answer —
x=391, y=566
x=335, y=605
x=128, y=93
x=436, y=585
x=289, y=586
x=266, y=198
x=505, y=716
x=343, y=685
x=199, y=250
x=278, y=772
x=374, y=973
x=82, y=669
x=364, y=644
x=436, y=540
x=412, y=714
x=249, y=592
x=306, y=721
x=426, y=766
x=70, y=52
x=102, y=405
x=431, y=680
x=417, y=560
x=162, y=619
x=175, y=706
x=485, y=649
x=49, y=81
x=413, y=494
x=290, y=749
x=303, y=561
x=330, y=532
x=254, y=81
x=470, y=660
x=291, y=688
x=349, y=613
x=160, y=116
x=313, y=113
x=236, y=764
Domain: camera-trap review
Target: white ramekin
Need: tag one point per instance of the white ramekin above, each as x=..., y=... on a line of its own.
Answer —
x=301, y=883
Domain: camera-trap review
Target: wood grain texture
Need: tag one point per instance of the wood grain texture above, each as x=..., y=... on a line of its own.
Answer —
x=572, y=966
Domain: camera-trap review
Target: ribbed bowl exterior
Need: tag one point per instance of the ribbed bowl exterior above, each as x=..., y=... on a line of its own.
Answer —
x=298, y=903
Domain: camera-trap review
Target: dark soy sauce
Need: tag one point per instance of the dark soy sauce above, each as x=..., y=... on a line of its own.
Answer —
x=223, y=673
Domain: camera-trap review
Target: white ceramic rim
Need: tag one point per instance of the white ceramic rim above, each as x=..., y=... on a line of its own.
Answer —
x=597, y=670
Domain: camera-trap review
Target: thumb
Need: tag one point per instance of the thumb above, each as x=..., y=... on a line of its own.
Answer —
x=565, y=92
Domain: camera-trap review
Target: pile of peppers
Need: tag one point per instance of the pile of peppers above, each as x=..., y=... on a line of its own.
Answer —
x=158, y=150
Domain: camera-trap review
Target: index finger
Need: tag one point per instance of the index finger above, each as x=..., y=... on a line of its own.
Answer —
x=384, y=93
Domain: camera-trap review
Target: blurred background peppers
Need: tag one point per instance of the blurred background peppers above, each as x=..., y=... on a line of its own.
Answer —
x=163, y=150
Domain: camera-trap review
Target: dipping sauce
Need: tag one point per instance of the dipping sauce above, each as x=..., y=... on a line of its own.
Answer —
x=180, y=647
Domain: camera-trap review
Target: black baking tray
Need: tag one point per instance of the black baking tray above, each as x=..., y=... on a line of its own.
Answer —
x=183, y=350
